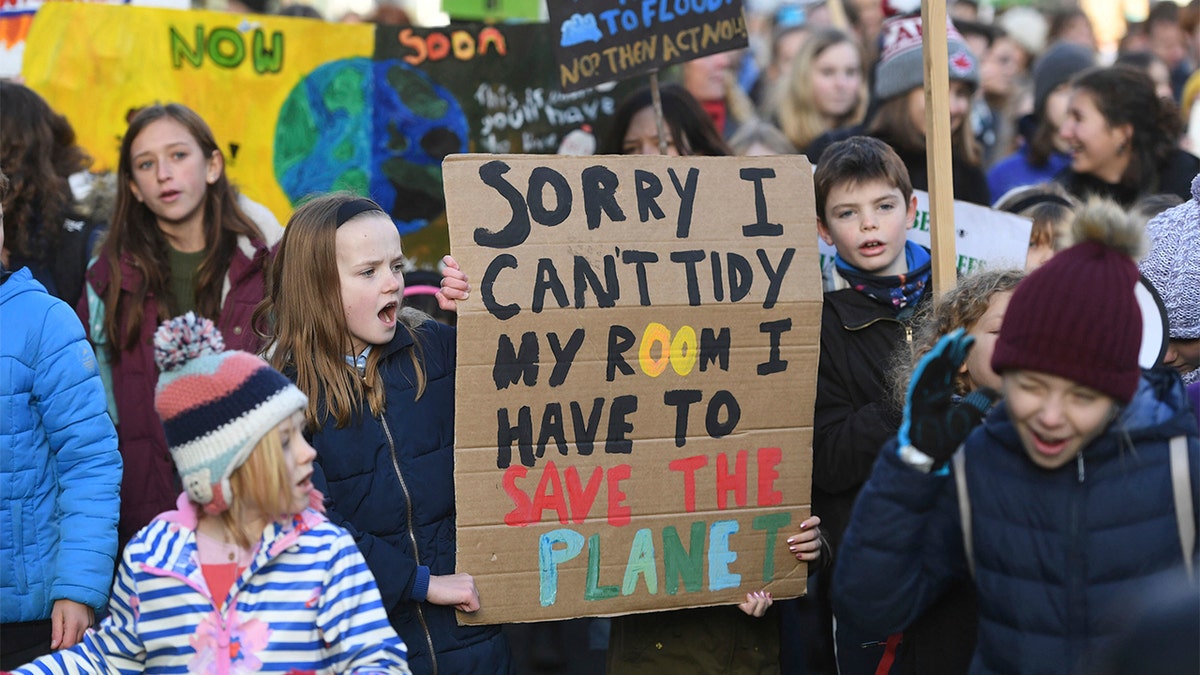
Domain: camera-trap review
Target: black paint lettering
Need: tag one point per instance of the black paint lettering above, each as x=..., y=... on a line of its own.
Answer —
x=552, y=428
x=620, y=340
x=517, y=229
x=600, y=194
x=511, y=365
x=547, y=280
x=761, y=227
x=682, y=399
x=774, y=364
x=487, y=287
x=649, y=186
x=718, y=287
x=539, y=178
x=687, y=199
x=585, y=277
x=741, y=277
x=621, y=408
x=564, y=356
x=585, y=430
x=712, y=424
x=689, y=260
x=775, y=274
x=522, y=433
x=639, y=260
x=714, y=348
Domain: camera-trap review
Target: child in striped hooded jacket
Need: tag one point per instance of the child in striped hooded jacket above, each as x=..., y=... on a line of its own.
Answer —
x=246, y=575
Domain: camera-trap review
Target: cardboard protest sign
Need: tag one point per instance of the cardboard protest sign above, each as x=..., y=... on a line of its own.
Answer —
x=983, y=237
x=636, y=378
x=602, y=40
x=302, y=107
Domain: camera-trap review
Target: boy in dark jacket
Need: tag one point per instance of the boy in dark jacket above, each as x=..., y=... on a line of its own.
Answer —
x=865, y=207
x=1068, y=505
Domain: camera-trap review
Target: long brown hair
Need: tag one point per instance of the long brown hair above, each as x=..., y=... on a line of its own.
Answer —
x=39, y=154
x=797, y=112
x=891, y=121
x=308, y=334
x=135, y=237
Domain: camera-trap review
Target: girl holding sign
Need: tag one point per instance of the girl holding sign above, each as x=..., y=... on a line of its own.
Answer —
x=380, y=383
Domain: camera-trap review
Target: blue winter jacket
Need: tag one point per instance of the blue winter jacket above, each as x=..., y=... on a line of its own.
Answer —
x=390, y=482
x=1060, y=555
x=60, y=472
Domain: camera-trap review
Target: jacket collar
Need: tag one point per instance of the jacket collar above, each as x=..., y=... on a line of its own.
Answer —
x=247, y=259
x=856, y=311
x=178, y=555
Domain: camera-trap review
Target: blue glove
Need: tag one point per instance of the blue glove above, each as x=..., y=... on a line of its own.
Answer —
x=933, y=423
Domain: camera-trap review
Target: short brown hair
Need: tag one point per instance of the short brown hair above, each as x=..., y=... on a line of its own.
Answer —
x=854, y=161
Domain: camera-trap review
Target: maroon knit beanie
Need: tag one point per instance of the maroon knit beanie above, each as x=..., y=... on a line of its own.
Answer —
x=1077, y=316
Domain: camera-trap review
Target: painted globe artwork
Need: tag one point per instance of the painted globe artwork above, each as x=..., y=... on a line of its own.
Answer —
x=378, y=128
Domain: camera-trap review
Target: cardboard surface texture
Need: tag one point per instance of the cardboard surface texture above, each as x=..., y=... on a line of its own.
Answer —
x=636, y=377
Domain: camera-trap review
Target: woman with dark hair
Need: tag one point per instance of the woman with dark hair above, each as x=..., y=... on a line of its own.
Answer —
x=633, y=131
x=1124, y=139
x=178, y=242
x=44, y=228
x=1044, y=153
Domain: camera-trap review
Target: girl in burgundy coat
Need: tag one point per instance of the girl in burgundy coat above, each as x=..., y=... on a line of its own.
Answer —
x=178, y=242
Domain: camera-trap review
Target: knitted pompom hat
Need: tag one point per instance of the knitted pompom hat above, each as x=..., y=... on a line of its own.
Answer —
x=1077, y=316
x=215, y=405
x=901, y=65
x=1172, y=264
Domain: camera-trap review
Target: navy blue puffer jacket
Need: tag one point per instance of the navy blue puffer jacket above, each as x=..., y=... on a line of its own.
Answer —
x=390, y=482
x=1060, y=555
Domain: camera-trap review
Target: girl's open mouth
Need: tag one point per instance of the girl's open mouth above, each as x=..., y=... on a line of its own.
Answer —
x=388, y=313
x=1047, y=447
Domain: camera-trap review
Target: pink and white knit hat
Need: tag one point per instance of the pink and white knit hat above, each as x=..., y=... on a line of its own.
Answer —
x=215, y=405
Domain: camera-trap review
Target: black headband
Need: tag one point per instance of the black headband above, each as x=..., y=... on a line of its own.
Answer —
x=353, y=208
x=1039, y=198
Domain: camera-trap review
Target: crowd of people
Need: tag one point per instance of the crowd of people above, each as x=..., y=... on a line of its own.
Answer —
x=1004, y=478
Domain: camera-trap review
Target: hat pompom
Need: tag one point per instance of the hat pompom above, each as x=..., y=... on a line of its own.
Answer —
x=900, y=7
x=185, y=338
x=1104, y=222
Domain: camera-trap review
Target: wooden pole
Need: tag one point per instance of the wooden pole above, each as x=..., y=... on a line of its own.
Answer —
x=656, y=97
x=837, y=15
x=937, y=144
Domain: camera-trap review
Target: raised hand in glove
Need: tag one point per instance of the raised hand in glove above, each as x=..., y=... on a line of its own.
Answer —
x=934, y=425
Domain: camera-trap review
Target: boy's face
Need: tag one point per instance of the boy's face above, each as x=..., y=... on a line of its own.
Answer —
x=1055, y=417
x=868, y=224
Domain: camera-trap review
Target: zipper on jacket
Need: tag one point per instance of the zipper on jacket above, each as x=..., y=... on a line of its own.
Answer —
x=412, y=535
x=1079, y=466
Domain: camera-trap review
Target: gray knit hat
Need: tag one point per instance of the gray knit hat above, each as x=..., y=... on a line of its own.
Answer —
x=1056, y=67
x=901, y=66
x=1172, y=265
